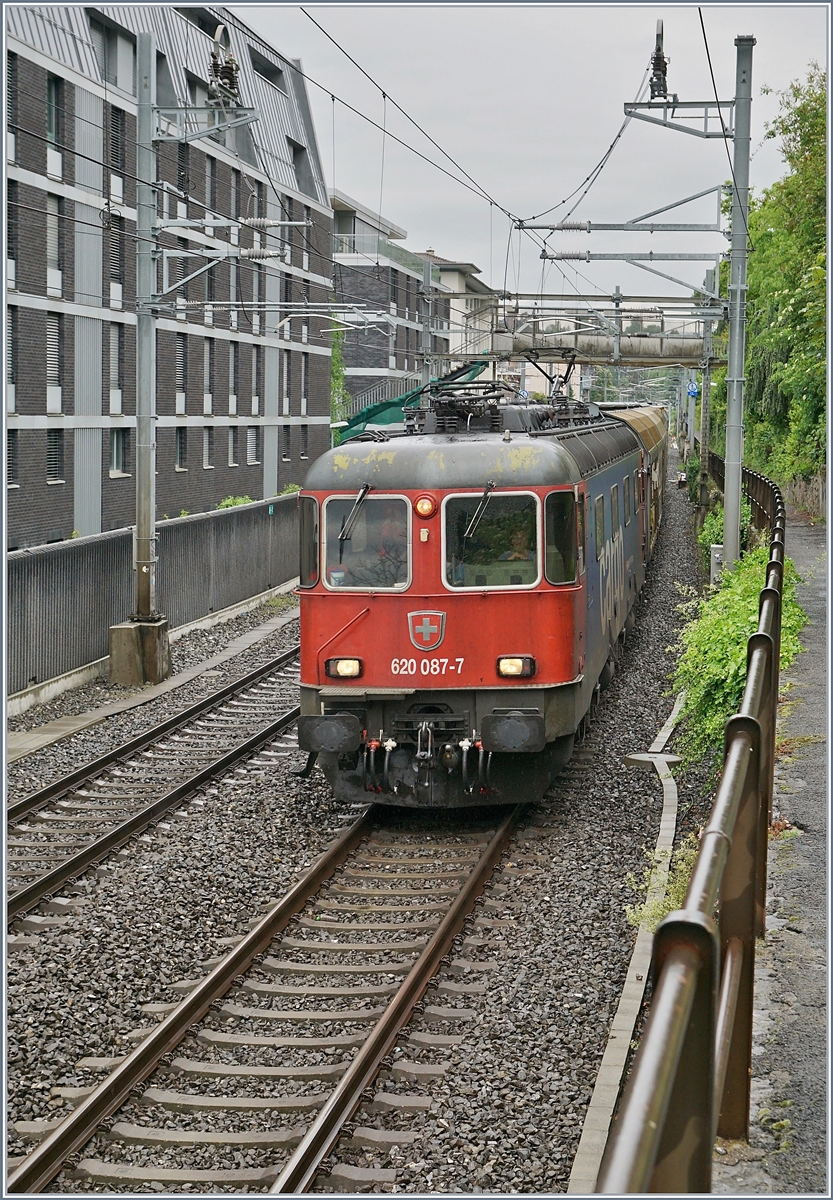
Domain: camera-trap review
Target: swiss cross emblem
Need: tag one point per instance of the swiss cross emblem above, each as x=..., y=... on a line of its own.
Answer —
x=427, y=629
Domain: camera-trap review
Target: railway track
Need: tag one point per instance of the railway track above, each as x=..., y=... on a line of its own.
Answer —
x=58, y=832
x=281, y=1042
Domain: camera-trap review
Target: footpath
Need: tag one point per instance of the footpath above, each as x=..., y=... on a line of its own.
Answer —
x=787, y=1152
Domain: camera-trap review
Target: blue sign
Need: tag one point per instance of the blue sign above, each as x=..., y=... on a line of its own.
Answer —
x=524, y=395
x=693, y=389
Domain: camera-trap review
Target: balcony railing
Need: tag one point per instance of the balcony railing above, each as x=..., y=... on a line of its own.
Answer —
x=373, y=246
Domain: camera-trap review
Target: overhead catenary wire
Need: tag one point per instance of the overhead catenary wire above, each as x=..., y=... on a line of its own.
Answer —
x=597, y=170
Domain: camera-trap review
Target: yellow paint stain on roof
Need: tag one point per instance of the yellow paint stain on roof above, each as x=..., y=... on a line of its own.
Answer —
x=522, y=456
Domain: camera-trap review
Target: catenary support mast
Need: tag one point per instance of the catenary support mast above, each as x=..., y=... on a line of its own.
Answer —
x=737, y=302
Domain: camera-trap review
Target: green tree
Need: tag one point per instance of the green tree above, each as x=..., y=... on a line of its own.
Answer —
x=785, y=411
x=339, y=395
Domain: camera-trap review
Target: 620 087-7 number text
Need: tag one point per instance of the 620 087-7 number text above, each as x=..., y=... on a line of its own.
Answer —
x=427, y=666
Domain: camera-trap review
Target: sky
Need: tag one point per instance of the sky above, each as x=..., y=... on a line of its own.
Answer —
x=527, y=99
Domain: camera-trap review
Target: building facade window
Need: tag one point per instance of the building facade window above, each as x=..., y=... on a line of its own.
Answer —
x=115, y=259
x=54, y=362
x=287, y=381
x=257, y=371
x=286, y=443
x=55, y=456
x=233, y=293
x=11, y=106
x=233, y=376
x=235, y=194
x=116, y=367
x=305, y=441
x=232, y=446
x=54, y=88
x=12, y=218
x=181, y=372
x=304, y=383
x=11, y=357
x=208, y=375
x=183, y=164
x=211, y=184
x=287, y=302
x=181, y=448
x=257, y=294
x=54, y=285
x=104, y=48
x=252, y=446
x=306, y=235
x=12, y=461
x=118, y=452
x=115, y=141
x=208, y=449
x=54, y=127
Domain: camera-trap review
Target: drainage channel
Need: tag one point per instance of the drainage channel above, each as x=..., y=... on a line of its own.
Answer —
x=281, y=1043
x=55, y=834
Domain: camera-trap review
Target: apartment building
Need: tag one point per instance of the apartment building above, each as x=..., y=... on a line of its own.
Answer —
x=372, y=269
x=243, y=354
x=472, y=308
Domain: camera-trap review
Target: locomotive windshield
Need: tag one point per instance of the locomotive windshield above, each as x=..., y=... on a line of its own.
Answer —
x=375, y=554
x=501, y=551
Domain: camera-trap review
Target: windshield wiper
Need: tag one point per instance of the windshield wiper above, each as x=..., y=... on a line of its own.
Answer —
x=347, y=527
x=481, y=508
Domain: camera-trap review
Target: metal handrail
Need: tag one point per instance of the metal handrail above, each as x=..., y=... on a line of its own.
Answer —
x=691, y=1076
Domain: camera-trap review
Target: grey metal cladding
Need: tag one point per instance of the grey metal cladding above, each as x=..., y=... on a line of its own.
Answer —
x=87, y=493
x=310, y=140
x=89, y=140
x=88, y=367
x=88, y=252
x=63, y=33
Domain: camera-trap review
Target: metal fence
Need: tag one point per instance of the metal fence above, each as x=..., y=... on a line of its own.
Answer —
x=692, y=1073
x=63, y=598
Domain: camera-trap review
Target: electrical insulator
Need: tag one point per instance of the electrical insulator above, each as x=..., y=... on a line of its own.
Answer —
x=659, y=68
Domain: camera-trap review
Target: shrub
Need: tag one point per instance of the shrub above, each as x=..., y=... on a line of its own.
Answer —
x=290, y=488
x=712, y=666
x=653, y=909
x=692, y=471
x=711, y=533
x=233, y=501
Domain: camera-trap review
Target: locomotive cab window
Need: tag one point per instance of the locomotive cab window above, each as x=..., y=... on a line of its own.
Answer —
x=600, y=525
x=375, y=554
x=627, y=499
x=581, y=535
x=491, y=540
x=309, y=541
x=560, y=537
x=614, y=510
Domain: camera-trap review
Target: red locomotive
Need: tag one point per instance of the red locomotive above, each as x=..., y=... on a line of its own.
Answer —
x=463, y=588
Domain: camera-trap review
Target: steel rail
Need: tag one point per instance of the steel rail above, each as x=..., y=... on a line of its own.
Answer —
x=299, y=1173
x=20, y=807
x=71, y=867
x=46, y=1160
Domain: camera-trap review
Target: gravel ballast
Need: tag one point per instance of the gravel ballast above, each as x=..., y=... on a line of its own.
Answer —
x=506, y=1114
x=58, y=759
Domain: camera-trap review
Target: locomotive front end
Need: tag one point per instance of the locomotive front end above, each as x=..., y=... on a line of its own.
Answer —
x=442, y=626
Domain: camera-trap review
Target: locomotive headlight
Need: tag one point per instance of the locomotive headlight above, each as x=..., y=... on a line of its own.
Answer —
x=425, y=507
x=343, y=668
x=518, y=666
